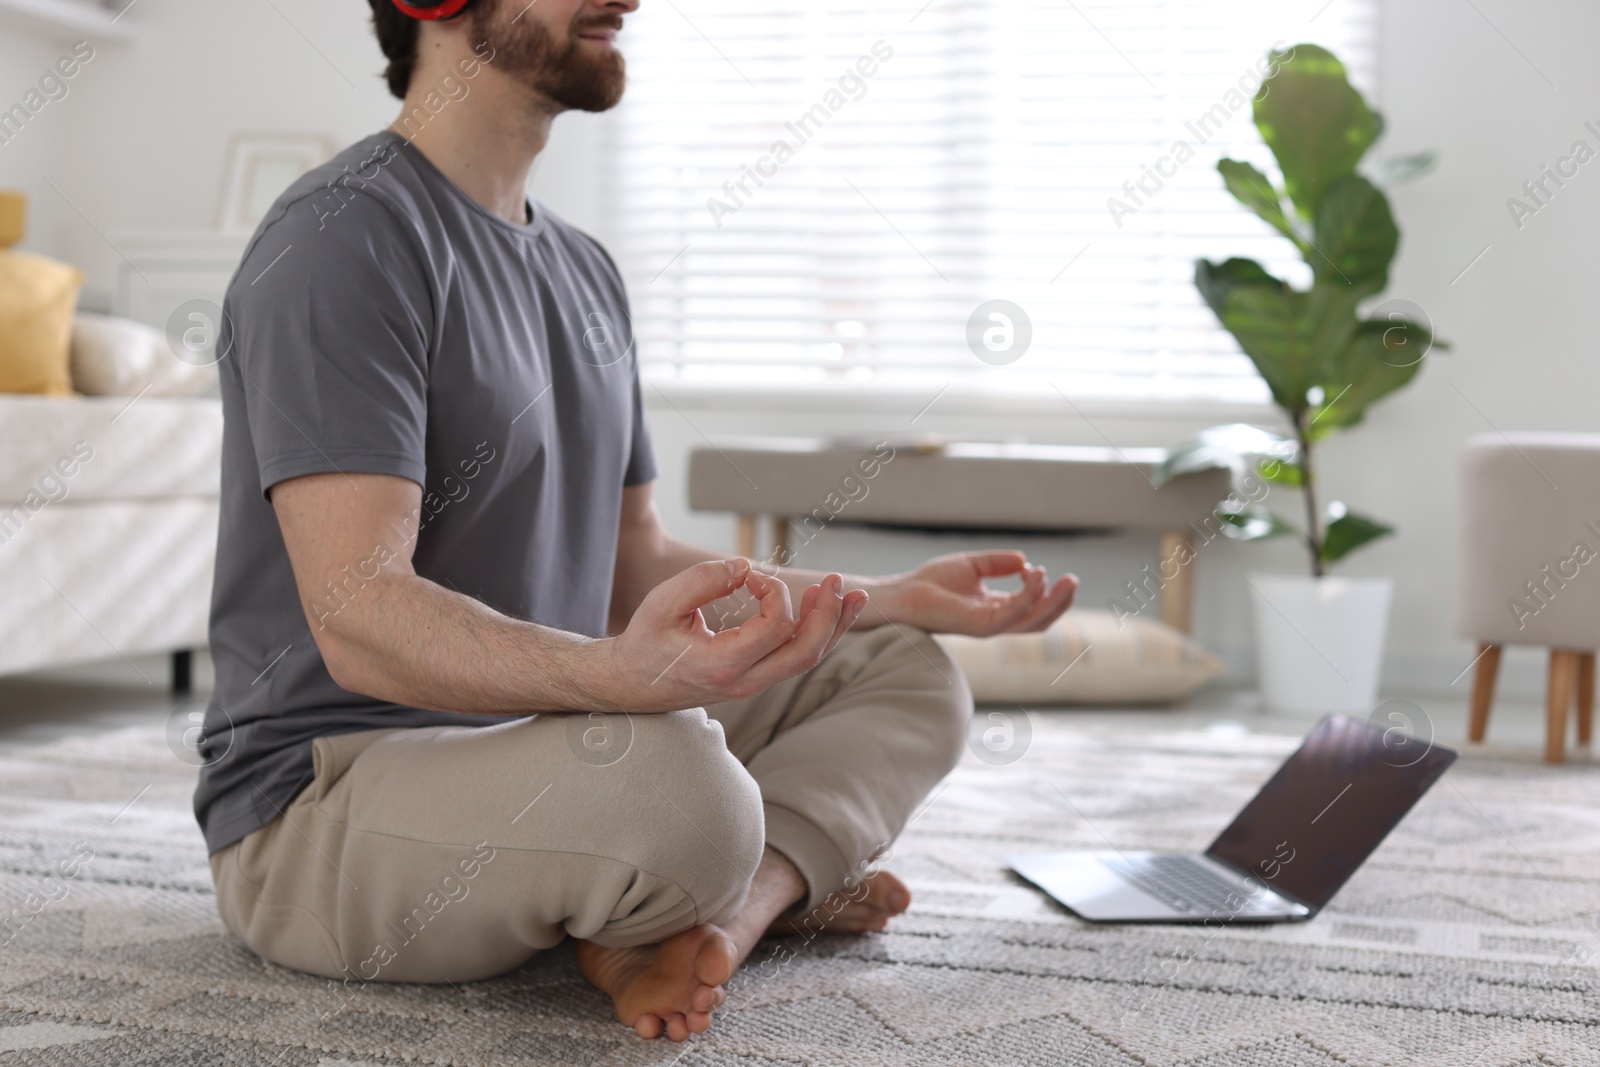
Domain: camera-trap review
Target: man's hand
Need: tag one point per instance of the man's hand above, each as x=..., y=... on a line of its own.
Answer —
x=947, y=594
x=668, y=658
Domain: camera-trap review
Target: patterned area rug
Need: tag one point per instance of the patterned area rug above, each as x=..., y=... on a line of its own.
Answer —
x=1468, y=940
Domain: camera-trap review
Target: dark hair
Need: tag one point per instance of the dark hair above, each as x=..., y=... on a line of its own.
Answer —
x=397, y=36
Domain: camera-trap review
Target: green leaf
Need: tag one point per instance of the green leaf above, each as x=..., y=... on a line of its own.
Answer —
x=1397, y=170
x=1315, y=122
x=1232, y=447
x=1347, y=531
x=1355, y=237
x=1278, y=472
x=1254, y=190
x=1383, y=356
x=1290, y=335
x=1253, y=523
x=1216, y=280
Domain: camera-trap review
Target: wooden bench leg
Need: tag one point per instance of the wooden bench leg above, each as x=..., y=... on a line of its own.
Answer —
x=1483, y=690
x=1563, y=687
x=1586, y=698
x=746, y=545
x=780, y=541
x=1177, y=597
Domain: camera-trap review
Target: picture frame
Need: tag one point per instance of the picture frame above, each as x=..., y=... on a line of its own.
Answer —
x=258, y=167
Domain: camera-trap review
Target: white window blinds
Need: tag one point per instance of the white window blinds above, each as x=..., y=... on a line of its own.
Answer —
x=810, y=193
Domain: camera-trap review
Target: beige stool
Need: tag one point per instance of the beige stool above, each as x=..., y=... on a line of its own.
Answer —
x=1529, y=572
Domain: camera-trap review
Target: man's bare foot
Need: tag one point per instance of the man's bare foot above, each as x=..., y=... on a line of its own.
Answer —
x=671, y=987
x=851, y=913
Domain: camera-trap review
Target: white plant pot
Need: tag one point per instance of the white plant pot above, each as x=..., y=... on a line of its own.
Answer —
x=1319, y=641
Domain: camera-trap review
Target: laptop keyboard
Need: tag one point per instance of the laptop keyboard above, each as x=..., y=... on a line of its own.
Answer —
x=1184, y=882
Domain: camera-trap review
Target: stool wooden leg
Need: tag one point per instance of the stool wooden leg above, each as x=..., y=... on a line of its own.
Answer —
x=747, y=536
x=1177, y=599
x=1483, y=690
x=1563, y=683
x=1586, y=698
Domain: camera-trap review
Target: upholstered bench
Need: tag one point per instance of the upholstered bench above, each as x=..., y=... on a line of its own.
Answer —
x=803, y=483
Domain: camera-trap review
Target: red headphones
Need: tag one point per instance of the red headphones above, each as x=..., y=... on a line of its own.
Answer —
x=431, y=10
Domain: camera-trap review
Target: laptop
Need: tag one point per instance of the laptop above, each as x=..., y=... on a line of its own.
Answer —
x=1283, y=857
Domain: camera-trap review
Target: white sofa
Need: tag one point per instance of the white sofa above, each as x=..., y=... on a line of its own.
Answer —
x=108, y=519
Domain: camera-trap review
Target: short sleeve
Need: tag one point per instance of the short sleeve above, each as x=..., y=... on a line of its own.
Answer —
x=331, y=317
x=642, y=462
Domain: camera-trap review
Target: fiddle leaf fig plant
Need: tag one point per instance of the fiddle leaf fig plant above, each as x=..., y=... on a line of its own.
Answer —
x=1324, y=364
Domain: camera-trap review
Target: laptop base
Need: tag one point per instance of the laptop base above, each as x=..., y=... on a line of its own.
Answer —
x=1111, y=887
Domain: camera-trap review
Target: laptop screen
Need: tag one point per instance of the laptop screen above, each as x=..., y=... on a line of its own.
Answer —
x=1329, y=806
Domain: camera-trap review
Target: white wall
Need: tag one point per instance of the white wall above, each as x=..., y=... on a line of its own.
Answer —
x=139, y=144
x=25, y=160
x=1525, y=355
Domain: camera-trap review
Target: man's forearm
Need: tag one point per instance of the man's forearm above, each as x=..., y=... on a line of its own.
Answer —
x=407, y=640
x=413, y=642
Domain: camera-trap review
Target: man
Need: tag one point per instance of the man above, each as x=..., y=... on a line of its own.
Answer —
x=470, y=699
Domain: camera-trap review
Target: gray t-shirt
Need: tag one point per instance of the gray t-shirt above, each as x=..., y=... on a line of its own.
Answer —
x=382, y=322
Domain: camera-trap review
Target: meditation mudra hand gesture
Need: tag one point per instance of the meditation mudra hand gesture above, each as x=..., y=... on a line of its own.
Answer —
x=670, y=656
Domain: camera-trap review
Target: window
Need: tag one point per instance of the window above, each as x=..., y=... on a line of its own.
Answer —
x=818, y=194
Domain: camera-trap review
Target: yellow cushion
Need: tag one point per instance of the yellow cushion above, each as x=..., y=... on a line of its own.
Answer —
x=37, y=296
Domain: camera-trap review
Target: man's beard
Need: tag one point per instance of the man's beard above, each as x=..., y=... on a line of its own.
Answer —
x=525, y=49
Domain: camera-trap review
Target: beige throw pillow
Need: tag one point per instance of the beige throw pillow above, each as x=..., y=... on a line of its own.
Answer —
x=1085, y=657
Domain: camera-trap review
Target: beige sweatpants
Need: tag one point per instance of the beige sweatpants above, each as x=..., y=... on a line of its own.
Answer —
x=456, y=853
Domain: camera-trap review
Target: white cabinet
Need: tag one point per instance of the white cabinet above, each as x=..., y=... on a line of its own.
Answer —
x=161, y=270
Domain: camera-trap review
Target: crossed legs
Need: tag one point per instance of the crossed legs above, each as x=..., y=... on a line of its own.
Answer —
x=666, y=845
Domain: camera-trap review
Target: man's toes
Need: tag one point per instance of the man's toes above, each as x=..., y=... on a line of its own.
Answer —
x=648, y=1026
x=699, y=1021
x=704, y=998
x=713, y=963
x=677, y=1028
x=889, y=893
